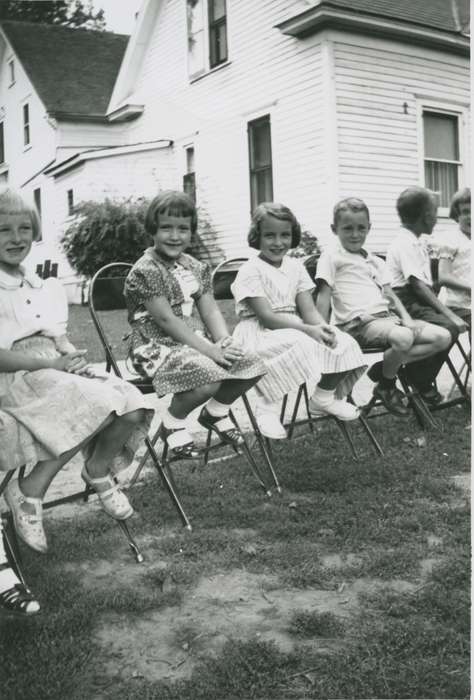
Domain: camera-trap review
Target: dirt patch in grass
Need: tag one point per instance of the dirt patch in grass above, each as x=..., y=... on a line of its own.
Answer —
x=168, y=643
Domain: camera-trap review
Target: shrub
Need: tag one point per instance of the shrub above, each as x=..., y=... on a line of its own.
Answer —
x=105, y=232
x=309, y=245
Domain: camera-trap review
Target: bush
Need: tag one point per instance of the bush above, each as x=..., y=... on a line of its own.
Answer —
x=309, y=245
x=105, y=232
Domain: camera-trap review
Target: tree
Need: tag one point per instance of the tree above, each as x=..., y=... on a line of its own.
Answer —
x=68, y=13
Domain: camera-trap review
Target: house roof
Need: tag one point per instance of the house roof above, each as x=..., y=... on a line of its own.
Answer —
x=447, y=15
x=72, y=70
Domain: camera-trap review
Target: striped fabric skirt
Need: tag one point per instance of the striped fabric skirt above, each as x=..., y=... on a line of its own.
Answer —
x=292, y=358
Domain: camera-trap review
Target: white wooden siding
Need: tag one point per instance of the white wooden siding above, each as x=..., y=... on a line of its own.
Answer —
x=379, y=151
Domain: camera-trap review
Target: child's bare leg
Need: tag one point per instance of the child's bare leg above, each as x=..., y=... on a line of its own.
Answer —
x=329, y=382
x=214, y=415
x=429, y=341
x=110, y=441
x=186, y=401
x=230, y=389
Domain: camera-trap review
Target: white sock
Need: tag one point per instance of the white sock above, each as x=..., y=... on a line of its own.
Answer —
x=173, y=423
x=217, y=409
x=323, y=397
x=264, y=406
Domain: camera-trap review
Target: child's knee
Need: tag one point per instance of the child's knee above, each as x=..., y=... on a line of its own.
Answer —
x=207, y=391
x=401, y=339
x=442, y=339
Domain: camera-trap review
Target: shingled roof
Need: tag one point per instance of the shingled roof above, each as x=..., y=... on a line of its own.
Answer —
x=73, y=70
x=439, y=14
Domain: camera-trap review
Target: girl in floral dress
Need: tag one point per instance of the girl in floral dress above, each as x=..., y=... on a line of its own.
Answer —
x=179, y=337
x=279, y=322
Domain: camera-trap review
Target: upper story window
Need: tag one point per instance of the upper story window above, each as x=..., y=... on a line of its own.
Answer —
x=207, y=35
x=442, y=156
x=217, y=32
x=260, y=161
x=189, y=178
x=26, y=125
x=2, y=143
x=37, y=199
x=11, y=71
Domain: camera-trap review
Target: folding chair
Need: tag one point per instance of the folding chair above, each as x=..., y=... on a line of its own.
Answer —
x=106, y=295
x=223, y=276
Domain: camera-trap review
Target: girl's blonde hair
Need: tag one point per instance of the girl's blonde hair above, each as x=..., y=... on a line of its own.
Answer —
x=171, y=203
x=12, y=202
x=278, y=211
x=460, y=197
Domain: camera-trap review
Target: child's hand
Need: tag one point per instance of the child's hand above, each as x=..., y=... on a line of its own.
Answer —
x=72, y=362
x=231, y=349
x=323, y=333
x=460, y=324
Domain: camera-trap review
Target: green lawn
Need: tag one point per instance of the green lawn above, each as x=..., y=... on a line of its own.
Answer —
x=353, y=584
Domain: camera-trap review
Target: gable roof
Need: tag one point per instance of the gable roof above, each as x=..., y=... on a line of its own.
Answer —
x=72, y=70
x=447, y=15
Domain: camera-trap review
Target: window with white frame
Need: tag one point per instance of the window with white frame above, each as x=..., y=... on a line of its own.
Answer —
x=70, y=202
x=260, y=161
x=442, y=153
x=206, y=35
x=26, y=125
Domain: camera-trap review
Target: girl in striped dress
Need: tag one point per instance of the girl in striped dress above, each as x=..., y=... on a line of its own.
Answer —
x=279, y=322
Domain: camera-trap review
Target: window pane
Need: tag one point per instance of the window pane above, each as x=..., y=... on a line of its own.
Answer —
x=216, y=9
x=442, y=178
x=261, y=151
x=221, y=38
x=2, y=144
x=441, y=136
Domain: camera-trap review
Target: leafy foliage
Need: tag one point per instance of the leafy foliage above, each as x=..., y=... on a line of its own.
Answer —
x=105, y=232
x=309, y=245
x=68, y=13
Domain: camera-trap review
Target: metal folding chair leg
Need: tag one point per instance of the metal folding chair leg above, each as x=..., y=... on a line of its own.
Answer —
x=249, y=457
x=264, y=446
x=420, y=409
x=347, y=437
x=12, y=548
x=131, y=542
x=363, y=421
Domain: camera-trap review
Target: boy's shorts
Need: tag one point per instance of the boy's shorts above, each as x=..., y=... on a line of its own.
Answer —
x=373, y=330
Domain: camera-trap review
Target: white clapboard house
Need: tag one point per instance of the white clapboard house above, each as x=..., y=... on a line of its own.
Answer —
x=238, y=101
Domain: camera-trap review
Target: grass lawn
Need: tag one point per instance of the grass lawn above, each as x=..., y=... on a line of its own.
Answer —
x=353, y=584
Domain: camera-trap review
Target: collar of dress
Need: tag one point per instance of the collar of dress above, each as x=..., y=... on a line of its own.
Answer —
x=182, y=259
x=10, y=282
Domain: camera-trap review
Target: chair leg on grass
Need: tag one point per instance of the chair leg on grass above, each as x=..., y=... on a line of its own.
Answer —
x=347, y=437
x=306, y=403
x=131, y=542
x=457, y=379
x=168, y=483
x=295, y=411
x=12, y=548
x=370, y=434
x=263, y=443
x=247, y=452
x=420, y=409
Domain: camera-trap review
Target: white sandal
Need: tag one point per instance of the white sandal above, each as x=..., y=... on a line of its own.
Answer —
x=343, y=410
x=29, y=526
x=112, y=499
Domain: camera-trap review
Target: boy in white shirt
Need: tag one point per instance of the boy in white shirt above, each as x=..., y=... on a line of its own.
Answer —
x=354, y=284
x=410, y=270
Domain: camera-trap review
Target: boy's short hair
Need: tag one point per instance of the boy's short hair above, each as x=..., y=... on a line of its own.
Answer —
x=412, y=202
x=13, y=202
x=460, y=197
x=353, y=204
x=171, y=203
x=278, y=211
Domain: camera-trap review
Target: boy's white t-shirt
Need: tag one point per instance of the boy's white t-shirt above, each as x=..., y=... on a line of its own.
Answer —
x=356, y=281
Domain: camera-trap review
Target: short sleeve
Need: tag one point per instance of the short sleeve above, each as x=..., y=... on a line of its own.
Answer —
x=408, y=261
x=144, y=283
x=304, y=283
x=56, y=308
x=383, y=273
x=248, y=283
x=326, y=269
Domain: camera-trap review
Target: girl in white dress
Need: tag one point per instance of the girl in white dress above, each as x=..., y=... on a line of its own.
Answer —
x=280, y=323
x=50, y=405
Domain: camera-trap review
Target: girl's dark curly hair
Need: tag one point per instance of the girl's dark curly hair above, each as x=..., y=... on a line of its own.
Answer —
x=278, y=211
x=171, y=203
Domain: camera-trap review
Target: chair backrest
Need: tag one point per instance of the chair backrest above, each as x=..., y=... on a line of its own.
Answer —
x=223, y=276
x=107, y=306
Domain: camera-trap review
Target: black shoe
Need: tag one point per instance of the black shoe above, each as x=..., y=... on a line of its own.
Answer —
x=223, y=427
x=374, y=373
x=179, y=442
x=431, y=396
x=19, y=601
x=392, y=398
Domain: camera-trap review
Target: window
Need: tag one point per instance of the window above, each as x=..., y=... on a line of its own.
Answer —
x=11, y=68
x=70, y=202
x=217, y=32
x=206, y=34
x=260, y=159
x=26, y=124
x=37, y=199
x=2, y=143
x=189, y=179
x=441, y=153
